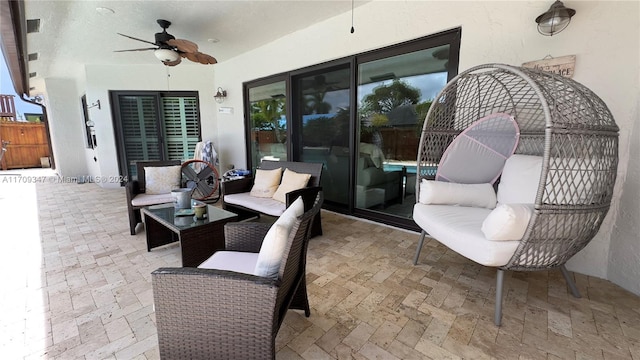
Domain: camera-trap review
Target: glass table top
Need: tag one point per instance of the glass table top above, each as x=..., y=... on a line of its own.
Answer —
x=166, y=213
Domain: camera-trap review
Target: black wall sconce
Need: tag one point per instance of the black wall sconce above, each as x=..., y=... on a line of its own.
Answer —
x=220, y=95
x=556, y=19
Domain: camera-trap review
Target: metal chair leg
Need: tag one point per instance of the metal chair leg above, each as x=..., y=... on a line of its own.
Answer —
x=422, y=235
x=497, y=316
x=569, y=280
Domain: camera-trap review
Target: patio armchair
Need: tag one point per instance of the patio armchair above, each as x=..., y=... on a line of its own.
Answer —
x=137, y=196
x=228, y=312
x=237, y=197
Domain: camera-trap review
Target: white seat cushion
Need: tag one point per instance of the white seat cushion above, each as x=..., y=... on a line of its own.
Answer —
x=147, y=199
x=242, y=262
x=267, y=206
x=275, y=241
x=459, y=228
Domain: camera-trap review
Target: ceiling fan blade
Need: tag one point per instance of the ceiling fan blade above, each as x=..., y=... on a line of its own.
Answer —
x=206, y=59
x=201, y=58
x=183, y=45
x=172, y=63
x=134, y=38
x=145, y=49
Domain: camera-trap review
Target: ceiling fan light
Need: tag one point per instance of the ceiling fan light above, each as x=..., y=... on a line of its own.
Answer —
x=166, y=55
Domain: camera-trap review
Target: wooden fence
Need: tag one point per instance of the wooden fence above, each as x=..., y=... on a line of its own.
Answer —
x=27, y=144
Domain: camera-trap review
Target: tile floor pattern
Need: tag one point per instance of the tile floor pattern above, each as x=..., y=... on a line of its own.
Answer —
x=81, y=290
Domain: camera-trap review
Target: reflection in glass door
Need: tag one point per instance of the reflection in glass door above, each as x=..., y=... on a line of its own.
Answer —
x=268, y=122
x=394, y=95
x=323, y=100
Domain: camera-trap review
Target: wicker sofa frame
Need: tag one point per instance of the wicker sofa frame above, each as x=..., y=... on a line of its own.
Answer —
x=560, y=120
x=216, y=314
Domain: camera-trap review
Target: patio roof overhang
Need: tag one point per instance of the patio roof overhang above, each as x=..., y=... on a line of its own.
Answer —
x=13, y=42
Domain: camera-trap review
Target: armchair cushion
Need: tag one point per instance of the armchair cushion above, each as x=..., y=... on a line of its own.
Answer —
x=237, y=261
x=447, y=193
x=162, y=179
x=266, y=182
x=291, y=180
x=507, y=221
x=273, y=246
x=141, y=200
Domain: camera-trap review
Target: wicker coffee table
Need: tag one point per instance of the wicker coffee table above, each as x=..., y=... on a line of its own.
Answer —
x=199, y=239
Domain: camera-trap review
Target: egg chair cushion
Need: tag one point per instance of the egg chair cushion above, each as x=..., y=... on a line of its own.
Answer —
x=459, y=228
x=447, y=193
x=520, y=179
x=478, y=154
x=507, y=222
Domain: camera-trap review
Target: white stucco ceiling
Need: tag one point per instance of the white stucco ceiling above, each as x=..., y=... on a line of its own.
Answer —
x=74, y=33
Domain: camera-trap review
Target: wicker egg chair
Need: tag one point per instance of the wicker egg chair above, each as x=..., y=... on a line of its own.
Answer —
x=560, y=120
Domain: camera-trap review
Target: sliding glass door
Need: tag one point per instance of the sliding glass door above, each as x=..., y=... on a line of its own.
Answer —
x=361, y=116
x=267, y=112
x=322, y=114
x=394, y=95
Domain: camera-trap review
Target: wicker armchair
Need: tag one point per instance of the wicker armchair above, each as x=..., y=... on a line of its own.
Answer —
x=137, y=187
x=216, y=314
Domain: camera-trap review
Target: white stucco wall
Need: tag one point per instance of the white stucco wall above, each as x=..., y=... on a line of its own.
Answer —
x=607, y=62
x=64, y=112
x=101, y=79
x=624, y=253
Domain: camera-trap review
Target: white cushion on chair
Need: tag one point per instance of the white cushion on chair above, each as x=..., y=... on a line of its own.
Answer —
x=161, y=179
x=458, y=228
x=146, y=199
x=448, y=193
x=520, y=179
x=242, y=262
x=507, y=222
x=273, y=246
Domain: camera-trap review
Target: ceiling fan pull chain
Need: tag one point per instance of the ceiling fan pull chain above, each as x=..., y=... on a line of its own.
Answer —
x=352, y=28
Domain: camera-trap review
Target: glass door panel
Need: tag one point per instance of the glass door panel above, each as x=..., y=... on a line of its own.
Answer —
x=322, y=100
x=394, y=95
x=268, y=123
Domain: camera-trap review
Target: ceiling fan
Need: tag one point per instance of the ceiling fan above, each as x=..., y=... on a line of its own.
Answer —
x=169, y=50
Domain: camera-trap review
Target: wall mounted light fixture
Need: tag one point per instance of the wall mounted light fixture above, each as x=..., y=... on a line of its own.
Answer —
x=95, y=104
x=220, y=95
x=556, y=19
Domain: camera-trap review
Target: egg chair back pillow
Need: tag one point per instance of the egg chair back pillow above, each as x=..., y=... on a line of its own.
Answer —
x=478, y=154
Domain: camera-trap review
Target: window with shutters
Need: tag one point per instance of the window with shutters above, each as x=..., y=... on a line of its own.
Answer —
x=154, y=126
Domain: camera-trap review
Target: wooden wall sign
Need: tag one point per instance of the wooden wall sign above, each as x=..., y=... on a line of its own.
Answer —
x=564, y=65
